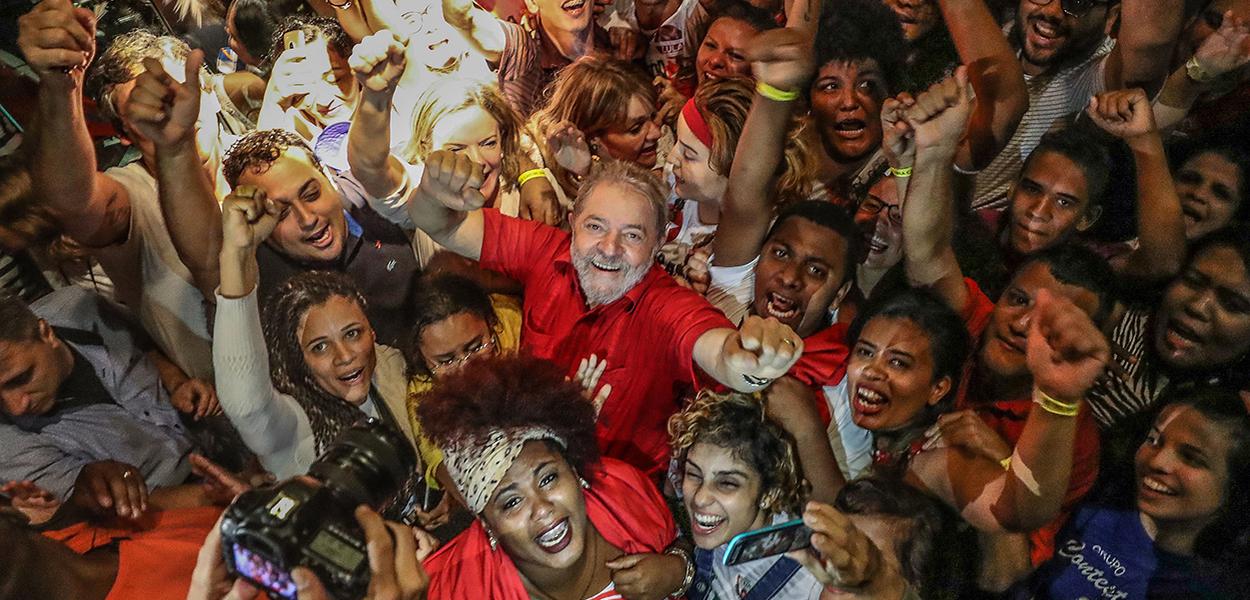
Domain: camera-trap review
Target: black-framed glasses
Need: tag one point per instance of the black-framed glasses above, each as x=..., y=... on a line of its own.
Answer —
x=872, y=206
x=1076, y=8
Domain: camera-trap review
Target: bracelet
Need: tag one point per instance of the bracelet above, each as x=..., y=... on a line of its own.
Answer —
x=775, y=94
x=903, y=172
x=760, y=381
x=1053, y=406
x=1006, y=463
x=531, y=174
x=688, y=578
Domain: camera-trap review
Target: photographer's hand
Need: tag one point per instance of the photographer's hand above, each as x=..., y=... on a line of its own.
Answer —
x=395, y=555
x=210, y=580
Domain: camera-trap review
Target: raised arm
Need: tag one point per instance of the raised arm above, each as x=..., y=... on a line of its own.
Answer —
x=58, y=42
x=792, y=405
x=937, y=120
x=1223, y=52
x=751, y=357
x=480, y=28
x=780, y=59
x=446, y=205
x=1066, y=353
x=165, y=111
x=271, y=424
x=1127, y=115
x=996, y=76
x=1148, y=31
x=378, y=62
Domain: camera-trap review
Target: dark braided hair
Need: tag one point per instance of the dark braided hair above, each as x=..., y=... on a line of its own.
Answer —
x=281, y=315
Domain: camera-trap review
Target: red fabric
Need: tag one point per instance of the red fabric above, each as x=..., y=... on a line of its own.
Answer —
x=623, y=505
x=823, y=363
x=696, y=123
x=647, y=337
x=1007, y=419
x=155, y=557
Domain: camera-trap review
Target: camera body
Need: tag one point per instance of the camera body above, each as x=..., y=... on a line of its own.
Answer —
x=309, y=521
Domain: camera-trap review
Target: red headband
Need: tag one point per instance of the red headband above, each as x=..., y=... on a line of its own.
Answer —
x=698, y=126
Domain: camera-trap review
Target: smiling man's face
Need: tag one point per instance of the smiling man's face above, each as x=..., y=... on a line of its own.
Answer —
x=311, y=225
x=614, y=241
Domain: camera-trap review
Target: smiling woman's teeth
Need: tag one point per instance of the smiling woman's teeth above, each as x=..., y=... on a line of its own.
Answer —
x=1155, y=485
x=554, y=535
x=708, y=522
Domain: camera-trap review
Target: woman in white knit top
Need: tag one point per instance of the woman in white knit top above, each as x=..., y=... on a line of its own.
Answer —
x=323, y=369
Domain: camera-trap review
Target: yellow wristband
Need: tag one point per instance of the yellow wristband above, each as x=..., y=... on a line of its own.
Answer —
x=1053, y=406
x=531, y=174
x=903, y=172
x=773, y=93
x=1006, y=463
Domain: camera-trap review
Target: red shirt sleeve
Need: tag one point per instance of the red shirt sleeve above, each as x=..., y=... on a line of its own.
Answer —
x=976, y=314
x=518, y=248
x=687, y=316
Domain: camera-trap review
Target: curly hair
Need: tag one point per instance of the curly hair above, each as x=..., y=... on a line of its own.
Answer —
x=450, y=97
x=859, y=30
x=736, y=422
x=281, y=315
x=440, y=297
x=257, y=150
x=313, y=27
x=508, y=392
x=123, y=61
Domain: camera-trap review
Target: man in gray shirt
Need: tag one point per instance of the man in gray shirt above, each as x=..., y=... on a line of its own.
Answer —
x=83, y=413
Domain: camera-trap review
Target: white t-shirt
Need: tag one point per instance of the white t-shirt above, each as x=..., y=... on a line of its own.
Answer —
x=852, y=444
x=733, y=289
x=151, y=280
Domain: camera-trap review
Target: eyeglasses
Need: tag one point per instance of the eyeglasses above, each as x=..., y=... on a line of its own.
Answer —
x=872, y=206
x=1076, y=8
x=454, y=362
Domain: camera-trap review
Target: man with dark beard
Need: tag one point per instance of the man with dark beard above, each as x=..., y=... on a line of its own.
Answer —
x=1068, y=56
x=598, y=291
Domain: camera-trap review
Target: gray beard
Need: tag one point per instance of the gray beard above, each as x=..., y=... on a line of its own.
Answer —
x=599, y=297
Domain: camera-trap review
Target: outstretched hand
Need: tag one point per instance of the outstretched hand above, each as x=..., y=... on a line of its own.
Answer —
x=1227, y=49
x=568, y=145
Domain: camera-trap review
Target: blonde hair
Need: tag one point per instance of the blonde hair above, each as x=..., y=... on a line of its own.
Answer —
x=454, y=96
x=25, y=216
x=593, y=93
x=724, y=105
x=737, y=422
x=123, y=61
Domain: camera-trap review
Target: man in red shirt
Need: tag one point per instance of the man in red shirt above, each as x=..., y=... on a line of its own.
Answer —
x=997, y=389
x=599, y=291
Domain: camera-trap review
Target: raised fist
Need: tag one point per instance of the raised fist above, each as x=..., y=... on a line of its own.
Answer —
x=1126, y=114
x=781, y=58
x=247, y=218
x=940, y=115
x=57, y=38
x=162, y=109
x=378, y=61
x=1066, y=351
x=454, y=180
x=762, y=350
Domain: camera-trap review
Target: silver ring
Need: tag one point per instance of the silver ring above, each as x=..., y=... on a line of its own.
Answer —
x=792, y=343
x=126, y=474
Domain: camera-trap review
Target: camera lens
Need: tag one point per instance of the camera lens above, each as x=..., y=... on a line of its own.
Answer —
x=367, y=464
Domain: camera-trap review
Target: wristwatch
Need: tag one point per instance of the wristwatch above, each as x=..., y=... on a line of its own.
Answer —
x=1195, y=71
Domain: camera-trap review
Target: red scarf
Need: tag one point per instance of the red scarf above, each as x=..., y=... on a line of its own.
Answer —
x=622, y=504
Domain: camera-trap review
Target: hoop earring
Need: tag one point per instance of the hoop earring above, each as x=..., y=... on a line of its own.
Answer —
x=585, y=484
x=490, y=537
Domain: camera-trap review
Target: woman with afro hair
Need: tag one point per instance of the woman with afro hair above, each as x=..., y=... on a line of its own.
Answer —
x=554, y=519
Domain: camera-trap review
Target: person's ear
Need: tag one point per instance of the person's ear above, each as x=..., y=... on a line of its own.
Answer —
x=532, y=7
x=46, y=335
x=842, y=292
x=939, y=390
x=1113, y=20
x=1089, y=218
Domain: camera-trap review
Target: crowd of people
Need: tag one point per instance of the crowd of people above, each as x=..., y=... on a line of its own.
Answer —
x=963, y=285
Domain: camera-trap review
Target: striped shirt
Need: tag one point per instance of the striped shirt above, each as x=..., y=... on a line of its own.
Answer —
x=1138, y=383
x=1054, y=99
x=608, y=593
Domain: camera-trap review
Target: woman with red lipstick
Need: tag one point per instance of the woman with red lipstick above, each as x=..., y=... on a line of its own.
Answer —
x=554, y=519
x=289, y=386
x=598, y=108
x=1184, y=535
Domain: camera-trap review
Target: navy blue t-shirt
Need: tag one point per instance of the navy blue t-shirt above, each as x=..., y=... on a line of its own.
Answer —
x=1105, y=553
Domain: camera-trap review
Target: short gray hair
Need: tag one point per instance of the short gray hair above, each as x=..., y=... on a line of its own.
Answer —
x=636, y=179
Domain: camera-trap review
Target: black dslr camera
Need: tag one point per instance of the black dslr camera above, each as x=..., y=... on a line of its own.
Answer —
x=309, y=521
